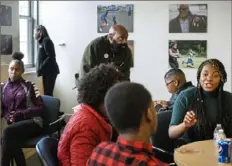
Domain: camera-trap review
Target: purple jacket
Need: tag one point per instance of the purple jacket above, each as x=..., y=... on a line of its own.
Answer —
x=21, y=100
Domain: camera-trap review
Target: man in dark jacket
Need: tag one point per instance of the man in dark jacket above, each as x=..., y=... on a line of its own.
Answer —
x=111, y=48
x=176, y=82
x=186, y=22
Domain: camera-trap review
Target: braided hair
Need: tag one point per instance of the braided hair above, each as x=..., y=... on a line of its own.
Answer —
x=203, y=126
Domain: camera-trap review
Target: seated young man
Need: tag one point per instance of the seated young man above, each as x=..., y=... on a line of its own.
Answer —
x=175, y=82
x=89, y=125
x=130, y=109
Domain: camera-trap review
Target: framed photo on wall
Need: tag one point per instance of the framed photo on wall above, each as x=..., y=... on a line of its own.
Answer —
x=5, y=15
x=108, y=15
x=6, y=45
x=186, y=53
x=188, y=18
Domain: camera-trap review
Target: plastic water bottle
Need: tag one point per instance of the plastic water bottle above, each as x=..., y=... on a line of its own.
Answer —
x=218, y=127
x=220, y=136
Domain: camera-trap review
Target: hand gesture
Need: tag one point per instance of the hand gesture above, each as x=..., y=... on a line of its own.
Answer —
x=190, y=119
x=12, y=116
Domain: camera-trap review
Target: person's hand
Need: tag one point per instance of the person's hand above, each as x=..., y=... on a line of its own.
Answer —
x=190, y=119
x=18, y=116
x=12, y=116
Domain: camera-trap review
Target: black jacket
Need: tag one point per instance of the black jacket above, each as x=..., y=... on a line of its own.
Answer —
x=100, y=51
x=173, y=98
x=46, y=60
x=201, y=27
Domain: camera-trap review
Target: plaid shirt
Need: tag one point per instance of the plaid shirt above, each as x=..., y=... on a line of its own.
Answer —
x=123, y=153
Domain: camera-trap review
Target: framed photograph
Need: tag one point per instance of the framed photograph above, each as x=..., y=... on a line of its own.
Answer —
x=6, y=44
x=187, y=53
x=188, y=18
x=114, y=14
x=5, y=15
x=131, y=46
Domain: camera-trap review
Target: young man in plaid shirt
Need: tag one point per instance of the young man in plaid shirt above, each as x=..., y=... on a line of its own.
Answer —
x=130, y=109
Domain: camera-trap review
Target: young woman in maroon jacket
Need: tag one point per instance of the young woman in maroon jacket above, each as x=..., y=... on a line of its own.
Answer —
x=22, y=109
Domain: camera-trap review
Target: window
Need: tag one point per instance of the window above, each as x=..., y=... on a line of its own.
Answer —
x=27, y=22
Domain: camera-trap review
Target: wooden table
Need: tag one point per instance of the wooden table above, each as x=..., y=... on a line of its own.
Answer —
x=202, y=153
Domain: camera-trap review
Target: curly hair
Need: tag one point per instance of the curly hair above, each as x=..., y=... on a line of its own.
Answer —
x=203, y=125
x=93, y=86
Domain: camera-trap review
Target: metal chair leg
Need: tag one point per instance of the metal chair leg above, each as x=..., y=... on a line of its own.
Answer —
x=12, y=162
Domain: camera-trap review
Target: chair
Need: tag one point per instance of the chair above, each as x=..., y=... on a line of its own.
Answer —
x=163, y=146
x=50, y=114
x=51, y=121
x=46, y=148
x=76, y=80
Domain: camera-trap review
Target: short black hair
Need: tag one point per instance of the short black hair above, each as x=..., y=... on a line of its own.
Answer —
x=174, y=73
x=94, y=85
x=125, y=104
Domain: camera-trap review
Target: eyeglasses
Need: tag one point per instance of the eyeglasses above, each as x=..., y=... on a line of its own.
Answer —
x=169, y=82
x=183, y=9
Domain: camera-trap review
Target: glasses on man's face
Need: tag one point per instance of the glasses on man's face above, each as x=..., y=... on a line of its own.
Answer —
x=183, y=9
x=167, y=83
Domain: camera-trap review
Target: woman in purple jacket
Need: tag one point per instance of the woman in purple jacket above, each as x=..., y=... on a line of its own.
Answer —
x=22, y=108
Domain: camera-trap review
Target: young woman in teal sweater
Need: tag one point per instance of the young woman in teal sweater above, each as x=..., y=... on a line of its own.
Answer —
x=198, y=110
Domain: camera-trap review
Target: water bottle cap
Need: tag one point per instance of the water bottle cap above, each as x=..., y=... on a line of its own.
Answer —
x=219, y=125
x=221, y=130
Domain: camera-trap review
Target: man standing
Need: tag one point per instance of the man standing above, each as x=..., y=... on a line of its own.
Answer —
x=175, y=82
x=187, y=22
x=173, y=55
x=111, y=48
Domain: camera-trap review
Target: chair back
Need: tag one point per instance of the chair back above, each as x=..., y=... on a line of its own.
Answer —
x=160, y=138
x=50, y=113
x=46, y=148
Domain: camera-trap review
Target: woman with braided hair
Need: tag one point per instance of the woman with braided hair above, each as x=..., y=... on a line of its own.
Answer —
x=197, y=110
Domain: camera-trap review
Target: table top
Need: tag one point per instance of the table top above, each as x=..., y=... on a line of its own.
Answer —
x=202, y=153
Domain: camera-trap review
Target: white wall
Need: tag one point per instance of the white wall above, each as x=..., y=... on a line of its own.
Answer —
x=74, y=22
x=10, y=30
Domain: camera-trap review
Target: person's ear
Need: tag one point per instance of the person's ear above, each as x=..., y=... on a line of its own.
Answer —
x=152, y=118
x=149, y=115
x=176, y=83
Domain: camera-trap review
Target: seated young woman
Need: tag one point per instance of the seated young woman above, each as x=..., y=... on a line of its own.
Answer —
x=197, y=110
x=22, y=108
x=89, y=125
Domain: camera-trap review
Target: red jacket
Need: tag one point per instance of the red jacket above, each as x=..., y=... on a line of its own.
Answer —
x=84, y=131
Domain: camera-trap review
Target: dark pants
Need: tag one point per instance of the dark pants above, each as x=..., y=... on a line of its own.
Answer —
x=13, y=138
x=173, y=62
x=49, y=84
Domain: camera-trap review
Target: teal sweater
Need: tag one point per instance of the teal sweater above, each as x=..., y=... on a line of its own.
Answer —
x=211, y=108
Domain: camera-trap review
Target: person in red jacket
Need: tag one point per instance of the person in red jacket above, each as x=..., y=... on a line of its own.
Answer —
x=89, y=125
